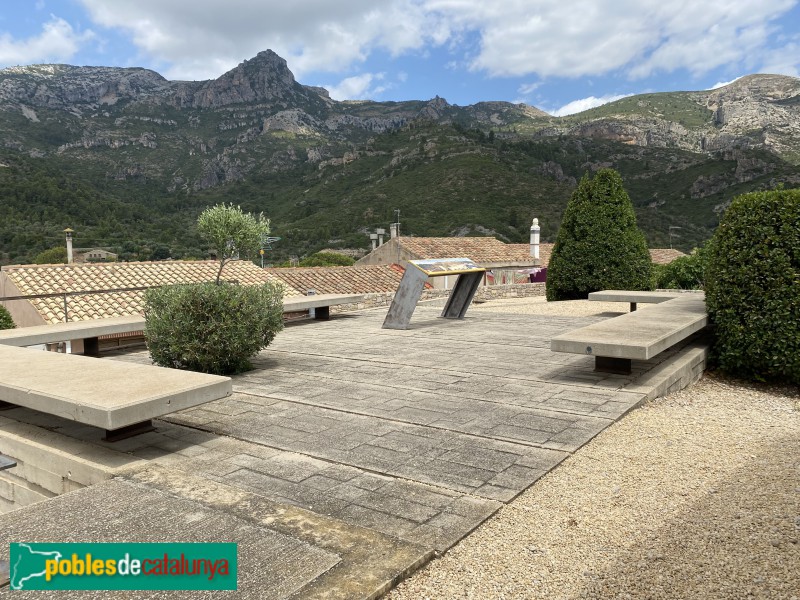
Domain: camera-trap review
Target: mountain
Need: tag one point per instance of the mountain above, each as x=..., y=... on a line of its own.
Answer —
x=128, y=158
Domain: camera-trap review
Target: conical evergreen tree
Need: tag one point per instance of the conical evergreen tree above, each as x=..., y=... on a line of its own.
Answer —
x=598, y=245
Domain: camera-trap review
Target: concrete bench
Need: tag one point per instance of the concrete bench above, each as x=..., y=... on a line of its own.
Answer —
x=89, y=331
x=634, y=297
x=321, y=303
x=116, y=396
x=639, y=335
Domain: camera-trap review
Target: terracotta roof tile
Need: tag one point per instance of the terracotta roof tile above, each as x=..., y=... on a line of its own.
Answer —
x=664, y=256
x=483, y=250
x=342, y=280
x=53, y=279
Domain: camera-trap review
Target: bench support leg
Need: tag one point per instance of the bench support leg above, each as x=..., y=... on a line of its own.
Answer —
x=91, y=347
x=618, y=366
x=633, y=306
x=323, y=313
x=115, y=435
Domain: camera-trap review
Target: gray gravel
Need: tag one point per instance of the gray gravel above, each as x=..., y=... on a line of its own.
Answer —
x=692, y=496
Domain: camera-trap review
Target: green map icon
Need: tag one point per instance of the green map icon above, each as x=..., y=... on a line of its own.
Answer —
x=27, y=564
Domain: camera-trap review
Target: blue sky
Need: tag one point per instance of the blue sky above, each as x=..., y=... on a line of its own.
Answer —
x=558, y=55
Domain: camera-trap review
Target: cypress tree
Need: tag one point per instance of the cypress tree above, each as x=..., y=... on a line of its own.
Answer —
x=598, y=245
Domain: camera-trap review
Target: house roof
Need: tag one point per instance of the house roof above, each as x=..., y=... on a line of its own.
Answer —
x=664, y=256
x=483, y=250
x=54, y=279
x=342, y=280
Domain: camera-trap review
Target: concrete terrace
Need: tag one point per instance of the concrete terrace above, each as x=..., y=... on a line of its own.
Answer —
x=351, y=455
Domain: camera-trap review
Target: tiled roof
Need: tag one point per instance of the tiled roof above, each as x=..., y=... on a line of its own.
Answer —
x=482, y=250
x=664, y=256
x=522, y=253
x=342, y=280
x=53, y=279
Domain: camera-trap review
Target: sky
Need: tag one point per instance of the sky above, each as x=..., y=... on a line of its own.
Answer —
x=562, y=56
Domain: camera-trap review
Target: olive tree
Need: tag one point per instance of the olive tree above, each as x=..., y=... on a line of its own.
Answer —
x=232, y=233
x=216, y=327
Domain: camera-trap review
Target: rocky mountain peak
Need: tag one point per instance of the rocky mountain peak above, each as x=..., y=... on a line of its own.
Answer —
x=265, y=78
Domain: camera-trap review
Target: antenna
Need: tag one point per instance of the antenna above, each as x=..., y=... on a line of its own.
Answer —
x=671, y=227
x=397, y=221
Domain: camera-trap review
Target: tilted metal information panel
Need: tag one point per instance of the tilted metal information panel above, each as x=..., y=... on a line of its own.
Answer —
x=413, y=283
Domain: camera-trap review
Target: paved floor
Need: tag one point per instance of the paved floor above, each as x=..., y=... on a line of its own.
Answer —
x=413, y=437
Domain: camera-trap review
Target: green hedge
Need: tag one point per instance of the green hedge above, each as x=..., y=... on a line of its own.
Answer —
x=598, y=245
x=684, y=273
x=211, y=328
x=753, y=286
x=6, y=322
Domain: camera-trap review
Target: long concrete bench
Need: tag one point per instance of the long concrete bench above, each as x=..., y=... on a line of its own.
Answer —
x=634, y=297
x=321, y=303
x=639, y=335
x=119, y=397
x=90, y=330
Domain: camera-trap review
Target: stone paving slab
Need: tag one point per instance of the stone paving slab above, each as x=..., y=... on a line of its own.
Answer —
x=283, y=551
x=421, y=514
x=439, y=457
x=271, y=565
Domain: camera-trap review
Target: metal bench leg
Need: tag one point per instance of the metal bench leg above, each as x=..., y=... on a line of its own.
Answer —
x=633, y=306
x=91, y=347
x=607, y=364
x=323, y=313
x=115, y=435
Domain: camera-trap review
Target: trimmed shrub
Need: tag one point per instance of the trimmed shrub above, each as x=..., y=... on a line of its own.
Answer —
x=753, y=286
x=211, y=328
x=6, y=322
x=327, y=259
x=598, y=245
x=684, y=273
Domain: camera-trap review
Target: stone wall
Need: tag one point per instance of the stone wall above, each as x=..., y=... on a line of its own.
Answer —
x=484, y=293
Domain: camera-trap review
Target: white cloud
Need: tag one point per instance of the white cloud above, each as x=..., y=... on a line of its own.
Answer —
x=720, y=84
x=57, y=42
x=577, y=106
x=358, y=87
x=528, y=88
x=512, y=38
x=203, y=38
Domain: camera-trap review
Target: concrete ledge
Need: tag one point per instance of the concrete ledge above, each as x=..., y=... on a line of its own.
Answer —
x=638, y=335
x=677, y=373
x=638, y=297
x=319, y=301
x=106, y=394
x=62, y=332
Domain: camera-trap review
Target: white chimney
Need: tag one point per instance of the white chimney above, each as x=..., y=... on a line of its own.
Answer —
x=381, y=233
x=69, y=232
x=374, y=239
x=393, y=230
x=535, y=241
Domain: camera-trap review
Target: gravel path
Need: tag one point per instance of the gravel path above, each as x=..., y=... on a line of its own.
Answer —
x=692, y=496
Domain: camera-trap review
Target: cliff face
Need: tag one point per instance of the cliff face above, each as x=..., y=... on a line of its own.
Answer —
x=257, y=117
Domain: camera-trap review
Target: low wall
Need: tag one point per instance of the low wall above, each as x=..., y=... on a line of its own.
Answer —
x=484, y=294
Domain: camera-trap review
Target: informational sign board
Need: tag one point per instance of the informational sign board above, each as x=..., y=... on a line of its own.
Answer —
x=413, y=283
x=435, y=267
